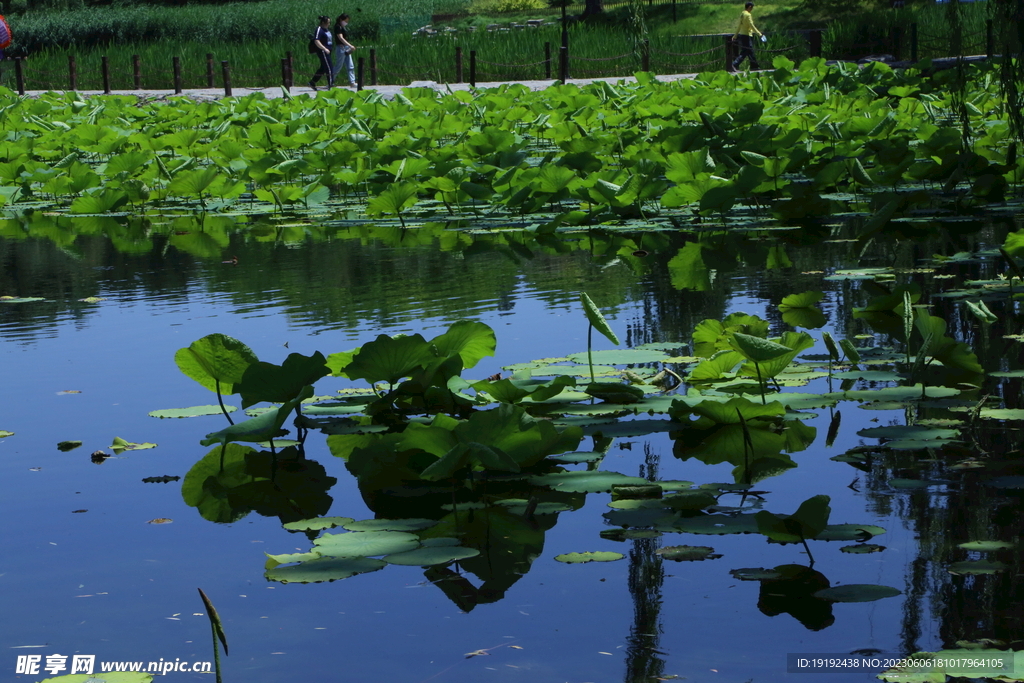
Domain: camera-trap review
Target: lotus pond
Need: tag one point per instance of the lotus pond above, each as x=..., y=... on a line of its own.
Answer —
x=652, y=382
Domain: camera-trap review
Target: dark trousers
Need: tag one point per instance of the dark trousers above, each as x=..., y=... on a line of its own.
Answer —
x=746, y=52
x=325, y=68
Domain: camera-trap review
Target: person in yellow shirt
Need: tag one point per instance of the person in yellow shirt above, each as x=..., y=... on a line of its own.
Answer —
x=745, y=34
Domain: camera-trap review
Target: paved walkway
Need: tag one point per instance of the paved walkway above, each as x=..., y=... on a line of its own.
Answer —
x=388, y=91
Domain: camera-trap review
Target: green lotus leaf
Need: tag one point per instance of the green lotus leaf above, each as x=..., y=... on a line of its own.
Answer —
x=915, y=392
x=870, y=375
x=615, y=392
x=757, y=349
x=715, y=524
x=689, y=500
x=1002, y=413
x=918, y=432
x=576, y=458
x=687, y=553
x=216, y=358
x=596, y=319
x=802, y=300
x=582, y=558
x=365, y=543
x=425, y=557
x=317, y=523
x=119, y=445
x=194, y=411
x=518, y=506
x=728, y=412
x=977, y=567
x=288, y=558
x=472, y=341
x=280, y=383
x=514, y=390
x=440, y=542
x=206, y=484
x=511, y=431
x=849, y=532
x=981, y=312
x=620, y=535
x=584, y=482
x=4, y=433
x=388, y=359
x=862, y=549
x=621, y=357
x=807, y=318
x=756, y=574
x=112, y=677
x=324, y=569
x=807, y=522
x=65, y=446
x=1008, y=666
x=388, y=524
x=986, y=546
x=857, y=592
x=258, y=429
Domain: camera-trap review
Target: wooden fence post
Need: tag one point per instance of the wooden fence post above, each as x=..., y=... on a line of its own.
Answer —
x=291, y=69
x=815, y=38
x=897, y=42
x=137, y=71
x=989, y=39
x=105, y=69
x=209, y=70
x=913, y=42
x=729, y=50
x=472, y=68
x=547, y=60
x=563, y=64
x=177, y=75
x=225, y=70
x=373, y=66
x=284, y=73
x=72, y=72
x=458, y=64
x=359, y=74
x=19, y=75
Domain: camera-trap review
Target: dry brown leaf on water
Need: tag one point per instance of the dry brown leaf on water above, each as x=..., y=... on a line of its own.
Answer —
x=477, y=653
x=64, y=392
x=516, y=647
x=77, y=511
x=160, y=520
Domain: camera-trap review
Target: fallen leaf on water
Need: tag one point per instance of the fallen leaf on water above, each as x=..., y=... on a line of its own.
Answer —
x=160, y=520
x=68, y=445
x=68, y=391
x=605, y=653
x=34, y=469
x=515, y=647
x=477, y=653
x=77, y=511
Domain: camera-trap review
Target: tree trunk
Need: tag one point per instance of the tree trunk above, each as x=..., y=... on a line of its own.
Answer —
x=593, y=7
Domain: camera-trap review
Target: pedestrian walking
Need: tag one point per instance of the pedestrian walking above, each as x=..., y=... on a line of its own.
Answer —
x=745, y=35
x=321, y=45
x=343, y=50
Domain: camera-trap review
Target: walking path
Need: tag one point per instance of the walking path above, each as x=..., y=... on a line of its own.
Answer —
x=388, y=91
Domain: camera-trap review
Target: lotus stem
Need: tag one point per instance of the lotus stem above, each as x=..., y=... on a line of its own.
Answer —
x=590, y=355
x=220, y=400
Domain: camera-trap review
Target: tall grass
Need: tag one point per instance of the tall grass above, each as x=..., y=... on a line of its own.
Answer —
x=215, y=25
x=874, y=32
